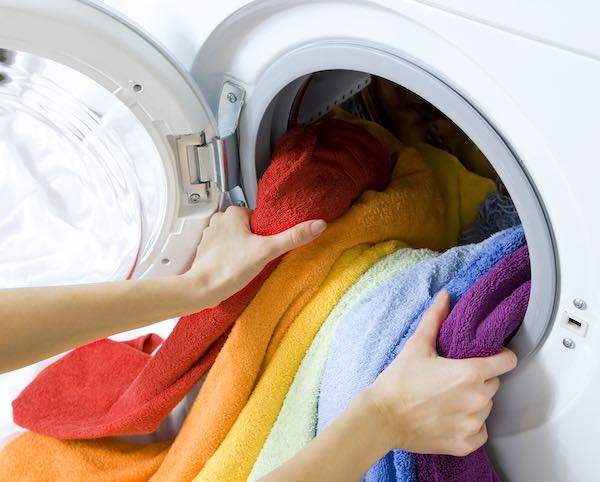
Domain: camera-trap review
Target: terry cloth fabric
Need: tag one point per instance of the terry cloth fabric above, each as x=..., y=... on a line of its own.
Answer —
x=496, y=214
x=296, y=423
x=488, y=313
x=374, y=331
x=413, y=120
x=236, y=455
x=50, y=459
x=375, y=217
x=462, y=191
x=509, y=241
x=106, y=388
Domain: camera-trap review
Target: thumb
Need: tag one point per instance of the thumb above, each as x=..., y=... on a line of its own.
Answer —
x=432, y=320
x=296, y=236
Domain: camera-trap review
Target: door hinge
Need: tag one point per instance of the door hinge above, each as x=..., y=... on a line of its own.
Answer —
x=216, y=162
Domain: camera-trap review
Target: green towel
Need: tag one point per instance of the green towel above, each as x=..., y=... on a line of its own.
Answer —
x=297, y=422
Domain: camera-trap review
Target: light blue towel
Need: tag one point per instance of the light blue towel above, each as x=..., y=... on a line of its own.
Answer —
x=375, y=330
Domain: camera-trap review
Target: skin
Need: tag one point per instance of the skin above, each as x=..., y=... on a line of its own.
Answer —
x=421, y=403
x=36, y=323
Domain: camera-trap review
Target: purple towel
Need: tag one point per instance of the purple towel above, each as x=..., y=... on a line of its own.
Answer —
x=488, y=313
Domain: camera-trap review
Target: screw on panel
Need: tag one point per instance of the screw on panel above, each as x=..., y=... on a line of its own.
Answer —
x=241, y=204
x=569, y=343
x=195, y=198
x=231, y=97
x=579, y=304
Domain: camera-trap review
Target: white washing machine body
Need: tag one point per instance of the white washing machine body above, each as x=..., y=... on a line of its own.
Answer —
x=520, y=80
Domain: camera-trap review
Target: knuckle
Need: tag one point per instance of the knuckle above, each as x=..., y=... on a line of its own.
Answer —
x=462, y=448
x=479, y=402
x=470, y=375
x=297, y=236
x=471, y=427
x=484, y=437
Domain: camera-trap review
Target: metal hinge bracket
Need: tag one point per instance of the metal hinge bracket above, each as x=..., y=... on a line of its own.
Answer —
x=216, y=162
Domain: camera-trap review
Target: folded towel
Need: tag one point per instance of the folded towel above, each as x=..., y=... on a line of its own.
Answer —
x=497, y=247
x=462, y=191
x=483, y=319
x=498, y=212
x=296, y=423
x=236, y=455
x=369, y=337
x=136, y=392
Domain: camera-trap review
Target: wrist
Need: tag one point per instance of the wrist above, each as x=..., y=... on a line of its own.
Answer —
x=194, y=293
x=374, y=422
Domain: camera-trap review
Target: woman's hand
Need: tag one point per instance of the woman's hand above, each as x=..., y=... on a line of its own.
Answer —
x=229, y=255
x=424, y=403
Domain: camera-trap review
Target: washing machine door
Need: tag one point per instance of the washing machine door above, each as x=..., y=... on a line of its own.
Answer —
x=108, y=151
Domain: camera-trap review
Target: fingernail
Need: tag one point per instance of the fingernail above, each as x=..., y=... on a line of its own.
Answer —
x=318, y=227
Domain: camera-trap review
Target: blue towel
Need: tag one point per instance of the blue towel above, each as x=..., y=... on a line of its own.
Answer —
x=497, y=212
x=371, y=335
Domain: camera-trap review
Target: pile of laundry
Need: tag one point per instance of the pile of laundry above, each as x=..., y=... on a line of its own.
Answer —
x=285, y=356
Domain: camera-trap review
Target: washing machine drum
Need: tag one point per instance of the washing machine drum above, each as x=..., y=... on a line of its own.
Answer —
x=109, y=153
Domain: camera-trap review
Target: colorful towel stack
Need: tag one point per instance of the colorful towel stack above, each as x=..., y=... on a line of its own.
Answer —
x=289, y=352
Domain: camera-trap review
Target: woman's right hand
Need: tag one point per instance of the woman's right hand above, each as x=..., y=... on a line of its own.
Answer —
x=425, y=403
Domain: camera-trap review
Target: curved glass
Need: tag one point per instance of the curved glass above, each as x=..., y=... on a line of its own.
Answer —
x=82, y=187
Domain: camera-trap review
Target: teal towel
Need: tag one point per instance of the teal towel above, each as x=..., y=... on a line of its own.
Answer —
x=296, y=424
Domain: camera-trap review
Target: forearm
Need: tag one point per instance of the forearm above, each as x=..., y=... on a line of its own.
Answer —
x=343, y=452
x=36, y=323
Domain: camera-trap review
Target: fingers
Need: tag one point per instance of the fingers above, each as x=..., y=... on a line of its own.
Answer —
x=491, y=386
x=432, y=320
x=295, y=237
x=495, y=365
x=475, y=441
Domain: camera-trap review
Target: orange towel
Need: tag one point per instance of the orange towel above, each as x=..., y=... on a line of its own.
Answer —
x=38, y=458
x=411, y=210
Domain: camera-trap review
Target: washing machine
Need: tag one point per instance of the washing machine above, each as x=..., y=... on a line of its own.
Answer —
x=124, y=126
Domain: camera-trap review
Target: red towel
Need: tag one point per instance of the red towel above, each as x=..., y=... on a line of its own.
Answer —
x=110, y=388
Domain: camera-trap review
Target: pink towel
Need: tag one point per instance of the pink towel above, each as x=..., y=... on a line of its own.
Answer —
x=110, y=388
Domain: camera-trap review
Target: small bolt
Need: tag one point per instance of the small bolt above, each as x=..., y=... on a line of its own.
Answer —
x=231, y=97
x=241, y=204
x=195, y=198
x=569, y=343
x=579, y=304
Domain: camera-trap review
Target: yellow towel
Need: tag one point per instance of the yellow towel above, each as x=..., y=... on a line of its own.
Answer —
x=238, y=452
x=462, y=191
x=414, y=120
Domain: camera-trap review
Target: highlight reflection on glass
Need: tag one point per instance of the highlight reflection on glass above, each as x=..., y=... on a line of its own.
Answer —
x=82, y=187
